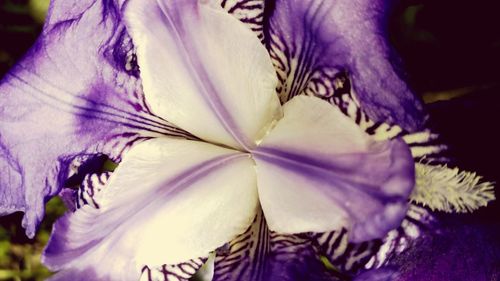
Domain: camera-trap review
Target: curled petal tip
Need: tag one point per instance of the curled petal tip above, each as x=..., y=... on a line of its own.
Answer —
x=312, y=41
x=75, y=93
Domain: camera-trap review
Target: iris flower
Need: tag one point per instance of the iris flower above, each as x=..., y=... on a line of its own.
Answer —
x=276, y=135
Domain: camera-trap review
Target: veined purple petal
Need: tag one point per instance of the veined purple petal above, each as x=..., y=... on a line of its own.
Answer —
x=351, y=259
x=194, y=57
x=317, y=172
x=78, y=196
x=249, y=12
x=168, y=202
x=315, y=43
x=348, y=258
x=177, y=272
x=87, y=192
x=76, y=92
x=259, y=254
x=245, y=257
x=418, y=224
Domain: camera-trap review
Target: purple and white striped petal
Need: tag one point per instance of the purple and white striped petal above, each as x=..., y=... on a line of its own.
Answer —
x=249, y=12
x=353, y=258
x=259, y=254
x=195, y=57
x=76, y=197
x=87, y=192
x=348, y=258
x=316, y=44
x=177, y=272
x=245, y=257
x=318, y=171
x=419, y=224
x=76, y=92
x=168, y=202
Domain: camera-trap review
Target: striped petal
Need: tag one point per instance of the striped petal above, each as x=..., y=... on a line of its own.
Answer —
x=169, y=201
x=348, y=258
x=90, y=187
x=261, y=255
x=424, y=143
x=419, y=224
x=178, y=272
x=318, y=171
x=76, y=93
x=85, y=193
x=351, y=259
x=244, y=258
x=194, y=57
x=249, y=12
x=318, y=46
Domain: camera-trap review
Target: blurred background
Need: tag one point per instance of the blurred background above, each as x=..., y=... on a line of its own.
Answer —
x=450, y=49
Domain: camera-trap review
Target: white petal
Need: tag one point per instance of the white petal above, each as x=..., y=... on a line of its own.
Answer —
x=203, y=70
x=317, y=171
x=169, y=201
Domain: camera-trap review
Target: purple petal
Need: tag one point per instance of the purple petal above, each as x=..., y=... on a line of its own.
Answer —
x=194, y=57
x=76, y=92
x=259, y=254
x=187, y=189
x=462, y=248
x=318, y=171
x=92, y=184
x=314, y=43
x=418, y=224
x=178, y=272
x=351, y=259
x=348, y=258
x=249, y=12
x=77, y=275
x=86, y=193
x=382, y=274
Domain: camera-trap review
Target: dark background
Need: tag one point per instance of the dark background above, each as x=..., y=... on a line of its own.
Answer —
x=450, y=49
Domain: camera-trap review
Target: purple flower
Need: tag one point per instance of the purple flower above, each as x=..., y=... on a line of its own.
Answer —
x=225, y=143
